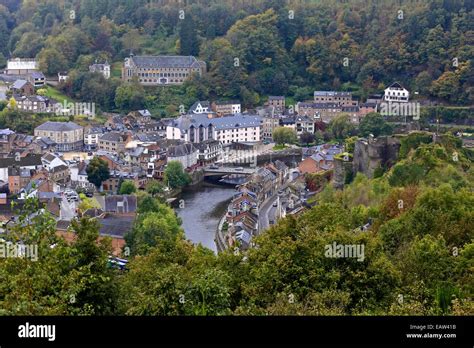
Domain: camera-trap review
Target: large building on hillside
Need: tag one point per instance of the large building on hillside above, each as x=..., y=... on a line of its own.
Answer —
x=21, y=66
x=228, y=129
x=332, y=97
x=396, y=93
x=161, y=70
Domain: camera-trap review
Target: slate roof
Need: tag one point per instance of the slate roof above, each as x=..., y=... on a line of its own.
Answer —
x=58, y=126
x=28, y=160
x=117, y=226
x=166, y=62
x=181, y=150
x=226, y=122
x=396, y=85
x=145, y=113
x=113, y=136
x=121, y=203
x=276, y=97
x=19, y=84
x=37, y=75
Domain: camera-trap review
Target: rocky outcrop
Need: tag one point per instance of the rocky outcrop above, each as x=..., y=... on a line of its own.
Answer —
x=373, y=153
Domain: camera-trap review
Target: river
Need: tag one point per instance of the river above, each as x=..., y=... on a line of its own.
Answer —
x=204, y=206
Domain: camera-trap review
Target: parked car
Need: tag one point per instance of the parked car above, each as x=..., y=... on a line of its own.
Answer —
x=214, y=167
x=240, y=169
x=89, y=194
x=275, y=204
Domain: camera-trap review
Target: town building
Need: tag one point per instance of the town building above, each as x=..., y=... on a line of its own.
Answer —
x=67, y=135
x=318, y=158
x=62, y=76
x=396, y=93
x=332, y=97
x=114, y=142
x=34, y=103
x=22, y=87
x=208, y=151
x=37, y=79
x=29, y=161
x=92, y=135
x=270, y=123
x=228, y=129
x=304, y=124
x=186, y=154
x=103, y=69
x=21, y=66
x=200, y=107
x=222, y=108
x=161, y=70
x=277, y=102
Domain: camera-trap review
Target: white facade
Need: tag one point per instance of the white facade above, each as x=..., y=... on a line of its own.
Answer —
x=247, y=134
x=396, y=93
x=200, y=109
x=236, y=109
x=92, y=138
x=21, y=66
x=227, y=129
x=187, y=160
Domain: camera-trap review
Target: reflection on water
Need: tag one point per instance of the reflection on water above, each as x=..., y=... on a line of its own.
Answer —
x=203, y=207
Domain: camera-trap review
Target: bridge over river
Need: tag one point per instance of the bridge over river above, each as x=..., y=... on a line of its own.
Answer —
x=221, y=171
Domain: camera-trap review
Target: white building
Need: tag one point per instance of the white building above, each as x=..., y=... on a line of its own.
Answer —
x=227, y=129
x=62, y=76
x=51, y=161
x=21, y=66
x=104, y=69
x=200, y=107
x=396, y=93
x=186, y=154
x=92, y=135
x=79, y=175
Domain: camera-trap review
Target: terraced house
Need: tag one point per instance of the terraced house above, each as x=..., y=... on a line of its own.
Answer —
x=161, y=70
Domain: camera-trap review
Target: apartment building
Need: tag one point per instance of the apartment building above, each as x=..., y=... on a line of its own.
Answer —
x=227, y=129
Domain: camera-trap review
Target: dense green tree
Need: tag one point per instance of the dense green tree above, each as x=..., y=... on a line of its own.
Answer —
x=97, y=171
x=188, y=40
x=284, y=135
x=175, y=176
x=307, y=138
x=341, y=127
x=127, y=187
x=374, y=123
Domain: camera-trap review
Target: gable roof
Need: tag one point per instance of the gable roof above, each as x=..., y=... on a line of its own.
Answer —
x=121, y=203
x=27, y=161
x=19, y=84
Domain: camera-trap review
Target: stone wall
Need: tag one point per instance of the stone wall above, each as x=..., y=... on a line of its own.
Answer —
x=341, y=170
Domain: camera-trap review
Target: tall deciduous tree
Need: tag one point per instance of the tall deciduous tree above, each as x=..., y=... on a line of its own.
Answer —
x=175, y=176
x=97, y=171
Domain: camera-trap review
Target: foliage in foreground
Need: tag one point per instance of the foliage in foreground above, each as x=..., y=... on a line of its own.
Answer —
x=418, y=256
